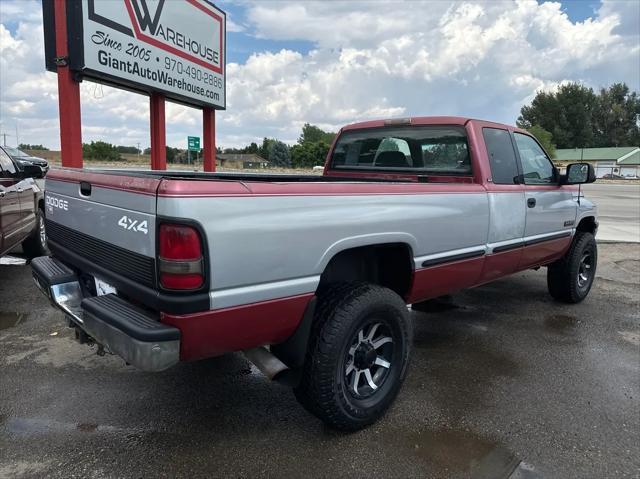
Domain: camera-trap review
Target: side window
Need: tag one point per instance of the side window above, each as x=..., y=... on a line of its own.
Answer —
x=537, y=169
x=502, y=157
x=7, y=168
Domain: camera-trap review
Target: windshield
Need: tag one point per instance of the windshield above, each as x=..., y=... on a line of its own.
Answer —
x=14, y=152
x=420, y=149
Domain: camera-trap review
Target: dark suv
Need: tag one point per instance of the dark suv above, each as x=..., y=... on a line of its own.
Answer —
x=21, y=208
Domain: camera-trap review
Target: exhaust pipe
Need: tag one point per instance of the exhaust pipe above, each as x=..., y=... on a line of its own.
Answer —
x=270, y=365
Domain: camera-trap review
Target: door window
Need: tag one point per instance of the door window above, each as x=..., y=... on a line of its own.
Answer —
x=537, y=169
x=7, y=168
x=502, y=157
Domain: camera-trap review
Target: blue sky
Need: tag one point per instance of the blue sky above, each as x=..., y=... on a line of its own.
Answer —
x=335, y=62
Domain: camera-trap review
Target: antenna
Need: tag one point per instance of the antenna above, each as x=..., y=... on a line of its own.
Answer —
x=579, y=192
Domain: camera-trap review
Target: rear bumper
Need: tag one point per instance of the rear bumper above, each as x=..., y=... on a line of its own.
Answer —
x=124, y=329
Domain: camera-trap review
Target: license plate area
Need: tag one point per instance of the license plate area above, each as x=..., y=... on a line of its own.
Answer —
x=102, y=287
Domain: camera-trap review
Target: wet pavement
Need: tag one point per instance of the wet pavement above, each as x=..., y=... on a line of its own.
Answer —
x=504, y=383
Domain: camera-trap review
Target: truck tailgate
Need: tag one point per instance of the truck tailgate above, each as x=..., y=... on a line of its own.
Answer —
x=109, y=220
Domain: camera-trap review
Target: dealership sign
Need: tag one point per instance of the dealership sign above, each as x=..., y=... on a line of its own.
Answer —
x=176, y=47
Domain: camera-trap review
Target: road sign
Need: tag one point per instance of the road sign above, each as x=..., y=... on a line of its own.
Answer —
x=193, y=143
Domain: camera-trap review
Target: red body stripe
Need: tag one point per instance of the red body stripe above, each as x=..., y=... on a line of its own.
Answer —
x=212, y=333
x=543, y=253
x=183, y=188
x=444, y=279
x=501, y=264
x=131, y=184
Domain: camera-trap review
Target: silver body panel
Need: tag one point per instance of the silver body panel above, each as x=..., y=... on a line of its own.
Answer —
x=265, y=247
x=553, y=210
x=101, y=215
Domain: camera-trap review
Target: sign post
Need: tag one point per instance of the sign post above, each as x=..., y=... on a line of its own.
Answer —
x=158, y=132
x=173, y=50
x=209, y=137
x=68, y=93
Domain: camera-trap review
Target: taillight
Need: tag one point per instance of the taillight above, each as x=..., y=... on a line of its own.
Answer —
x=180, y=259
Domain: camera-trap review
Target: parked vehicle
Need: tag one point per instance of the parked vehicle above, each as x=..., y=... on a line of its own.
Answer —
x=21, y=208
x=613, y=176
x=310, y=276
x=22, y=159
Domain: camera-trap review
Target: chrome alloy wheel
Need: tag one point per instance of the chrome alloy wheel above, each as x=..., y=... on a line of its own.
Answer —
x=585, y=269
x=368, y=360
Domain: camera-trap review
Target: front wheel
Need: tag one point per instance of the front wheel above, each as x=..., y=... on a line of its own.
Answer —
x=358, y=355
x=570, y=279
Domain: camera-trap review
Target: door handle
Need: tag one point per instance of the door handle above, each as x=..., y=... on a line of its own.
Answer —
x=531, y=202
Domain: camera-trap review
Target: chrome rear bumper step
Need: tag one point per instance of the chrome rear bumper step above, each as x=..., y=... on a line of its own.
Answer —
x=60, y=284
x=130, y=332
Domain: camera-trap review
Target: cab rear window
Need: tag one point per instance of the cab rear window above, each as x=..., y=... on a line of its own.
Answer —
x=434, y=150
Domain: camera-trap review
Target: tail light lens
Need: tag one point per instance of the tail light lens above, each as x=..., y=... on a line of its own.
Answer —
x=180, y=257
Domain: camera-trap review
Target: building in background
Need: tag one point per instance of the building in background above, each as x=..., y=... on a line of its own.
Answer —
x=615, y=162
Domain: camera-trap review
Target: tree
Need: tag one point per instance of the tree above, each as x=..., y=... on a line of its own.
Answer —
x=616, y=116
x=279, y=155
x=312, y=147
x=545, y=138
x=27, y=146
x=127, y=149
x=252, y=149
x=100, y=150
x=578, y=118
x=309, y=154
x=567, y=114
x=265, y=149
x=312, y=133
x=172, y=154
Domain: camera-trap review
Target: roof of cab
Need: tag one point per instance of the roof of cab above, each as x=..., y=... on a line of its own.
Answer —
x=421, y=120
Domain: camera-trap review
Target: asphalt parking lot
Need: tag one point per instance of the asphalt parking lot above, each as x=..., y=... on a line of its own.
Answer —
x=501, y=375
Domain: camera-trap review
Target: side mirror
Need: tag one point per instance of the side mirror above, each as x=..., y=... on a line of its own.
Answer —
x=32, y=171
x=579, y=173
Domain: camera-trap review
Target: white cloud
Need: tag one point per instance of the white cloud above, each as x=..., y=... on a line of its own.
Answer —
x=370, y=59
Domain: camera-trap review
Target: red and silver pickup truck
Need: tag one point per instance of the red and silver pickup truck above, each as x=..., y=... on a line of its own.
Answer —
x=311, y=276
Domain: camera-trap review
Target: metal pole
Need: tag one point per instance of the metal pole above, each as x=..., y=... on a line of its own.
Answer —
x=158, y=133
x=68, y=94
x=208, y=139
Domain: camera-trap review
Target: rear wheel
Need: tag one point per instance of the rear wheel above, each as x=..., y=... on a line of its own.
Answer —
x=358, y=355
x=570, y=278
x=36, y=244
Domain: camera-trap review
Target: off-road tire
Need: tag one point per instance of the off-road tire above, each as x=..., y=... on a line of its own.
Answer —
x=36, y=244
x=564, y=278
x=343, y=310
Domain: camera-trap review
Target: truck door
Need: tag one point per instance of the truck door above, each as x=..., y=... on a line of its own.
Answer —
x=28, y=208
x=506, y=205
x=9, y=204
x=551, y=209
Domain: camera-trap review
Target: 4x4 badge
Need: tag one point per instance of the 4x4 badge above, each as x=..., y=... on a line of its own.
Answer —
x=133, y=225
